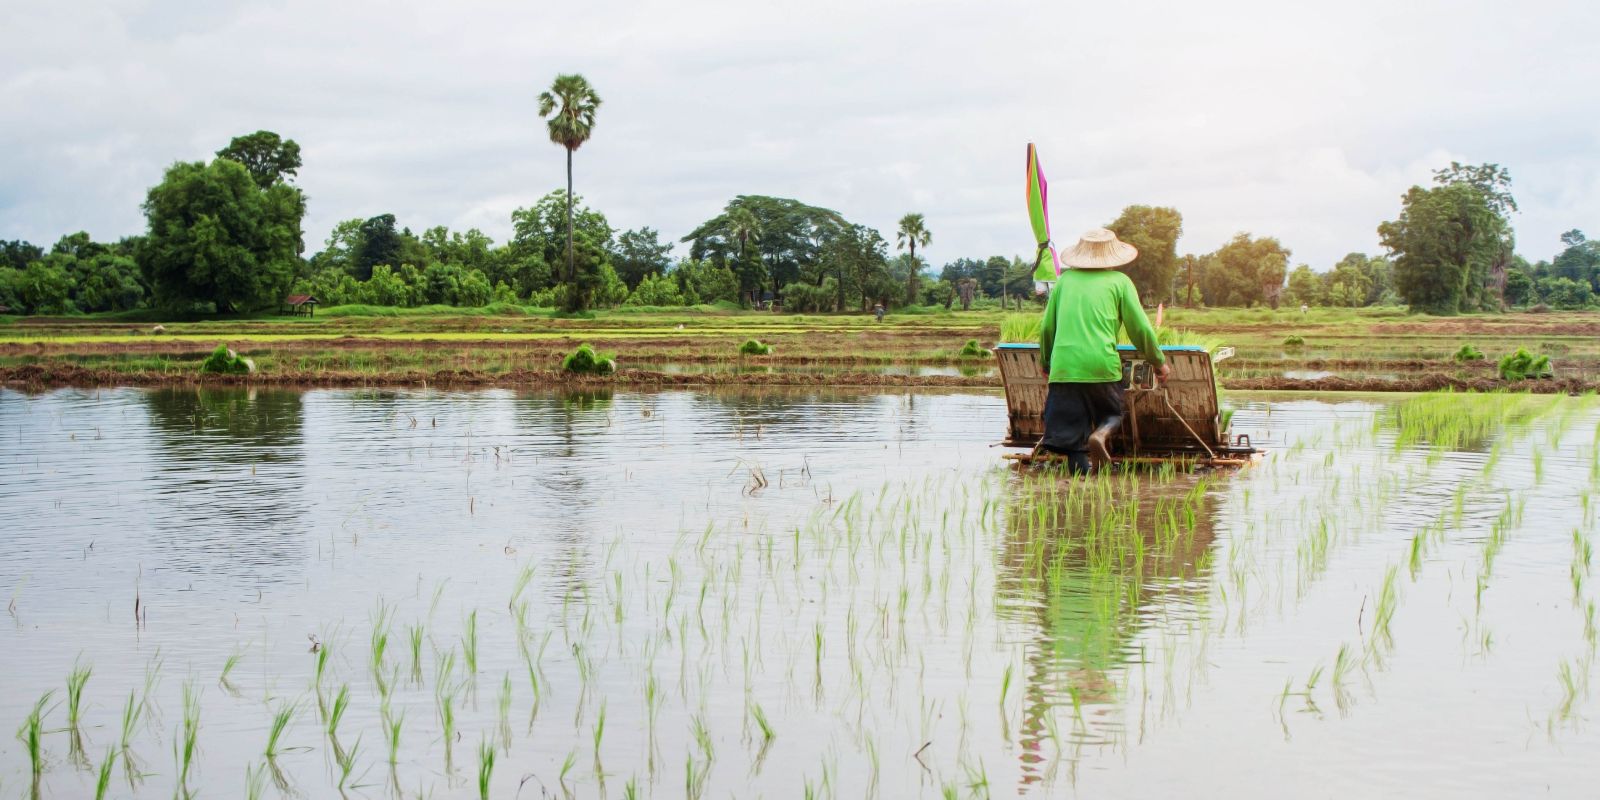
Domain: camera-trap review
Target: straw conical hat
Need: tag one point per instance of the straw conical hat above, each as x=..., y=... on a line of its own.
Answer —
x=1099, y=249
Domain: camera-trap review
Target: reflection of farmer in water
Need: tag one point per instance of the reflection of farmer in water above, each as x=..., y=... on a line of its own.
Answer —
x=1078, y=347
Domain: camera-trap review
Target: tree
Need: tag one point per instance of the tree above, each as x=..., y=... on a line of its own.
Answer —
x=788, y=235
x=1564, y=293
x=1305, y=286
x=1519, y=288
x=377, y=242
x=1453, y=242
x=570, y=104
x=656, y=290
x=1155, y=231
x=912, y=231
x=538, y=240
x=44, y=287
x=18, y=254
x=704, y=282
x=1580, y=261
x=216, y=236
x=1244, y=272
x=1350, y=283
x=267, y=157
x=640, y=254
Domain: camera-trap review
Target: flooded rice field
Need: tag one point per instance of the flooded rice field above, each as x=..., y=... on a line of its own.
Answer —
x=785, y=594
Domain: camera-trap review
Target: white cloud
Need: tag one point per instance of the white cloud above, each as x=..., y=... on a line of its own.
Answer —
x=1305, y=123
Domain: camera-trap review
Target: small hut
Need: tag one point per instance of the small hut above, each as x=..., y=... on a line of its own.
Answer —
x=300, y=305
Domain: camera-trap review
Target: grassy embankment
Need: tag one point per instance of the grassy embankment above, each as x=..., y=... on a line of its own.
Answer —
x=1365, y=348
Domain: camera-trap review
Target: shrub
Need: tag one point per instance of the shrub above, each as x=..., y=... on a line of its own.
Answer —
x=225, y=361
x=585, y=361
x=1523, y=365
x=1468, y=353
x=973, y=350
x=1294, y=340
x=751, y=347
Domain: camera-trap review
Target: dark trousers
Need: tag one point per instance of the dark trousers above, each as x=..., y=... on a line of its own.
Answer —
x=1072, y=411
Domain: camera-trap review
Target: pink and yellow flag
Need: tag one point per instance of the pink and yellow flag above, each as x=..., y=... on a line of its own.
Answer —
x=1039, y=216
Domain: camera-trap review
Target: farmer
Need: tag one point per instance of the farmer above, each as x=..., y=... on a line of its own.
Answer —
x=1078, y=348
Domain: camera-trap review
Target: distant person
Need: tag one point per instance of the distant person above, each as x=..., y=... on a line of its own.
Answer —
x=1304, y=308
x=877, y=311
x=1078, y=348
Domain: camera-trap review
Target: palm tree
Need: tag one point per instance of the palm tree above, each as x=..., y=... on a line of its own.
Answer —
x=744, y=226
x=912, y=232
x=570, y=104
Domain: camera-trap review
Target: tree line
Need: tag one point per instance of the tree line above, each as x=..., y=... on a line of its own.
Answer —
x=225, y=236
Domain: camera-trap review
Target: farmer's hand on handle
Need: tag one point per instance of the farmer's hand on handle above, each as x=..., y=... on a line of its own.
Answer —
x=1163, y=372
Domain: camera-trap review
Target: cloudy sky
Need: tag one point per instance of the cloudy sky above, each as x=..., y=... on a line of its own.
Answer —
x=1305, y=122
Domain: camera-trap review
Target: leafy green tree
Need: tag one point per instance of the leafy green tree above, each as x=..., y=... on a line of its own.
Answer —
x=640, y=254
x=1155, y=231
x=609, y=290
x=570, y=104
x=216, y=236
x=18, y=254
x=789, y=235
x=539, y=231
x=1519, y=288
x=107, y=282
x=1452, y=242
x=1579, y=261
x=656, y=290
x=339, y=253
x=1305, y=286
x=377, y=242
x=1347, y=285
x=44, y=287
x=269, y=158
x=857, y=257
x=961, y=269
x=993, y=277
x=704, y=282
x=939, y=293
x=1564, y=293
x=1244, y=272
x=912, y=231
x=802, y=295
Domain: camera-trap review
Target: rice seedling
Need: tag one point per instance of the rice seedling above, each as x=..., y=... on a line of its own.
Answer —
x=346, y=759
x=767, y=734
x=381, y=619
x=702, y=737
x=392, y=726
x=414, y=636
x=102, y=782
x=341, y=701
x=447, y=720
x=31, y=734
x=186, y=744
x=485, y=768
x=566, y=766
x=280, y=723
x=598, y=736
x=76, y=680
x=324, y=650
x=469, y=645
x=504, y=703
x=255, y=781
x=227, y=669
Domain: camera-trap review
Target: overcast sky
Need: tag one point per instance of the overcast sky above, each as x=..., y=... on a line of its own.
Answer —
x=1269, y=117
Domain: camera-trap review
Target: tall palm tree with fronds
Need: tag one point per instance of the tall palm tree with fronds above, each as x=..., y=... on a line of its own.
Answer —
x=570, y=104
x=912, y=232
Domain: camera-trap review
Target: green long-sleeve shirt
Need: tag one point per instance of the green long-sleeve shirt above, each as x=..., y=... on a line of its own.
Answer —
x=1078, y=342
